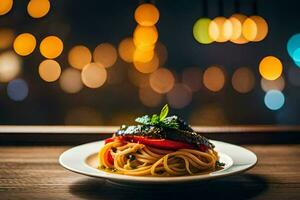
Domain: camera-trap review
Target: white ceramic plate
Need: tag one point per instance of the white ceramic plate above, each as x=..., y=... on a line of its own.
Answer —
x=83, y=159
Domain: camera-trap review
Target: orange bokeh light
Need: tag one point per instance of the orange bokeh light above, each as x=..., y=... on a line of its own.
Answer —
x=38, y=8
x=145, y=37
x=79, y=56
x=237, y=21
x=146, y=14
x=243, y=80
x=147, y=67
x=105, y=54
x=220, y=29
x=51, y=47
x=214, y=78
x=162, y=80
x=126, y=50
x=270, y=68
x=24, y=44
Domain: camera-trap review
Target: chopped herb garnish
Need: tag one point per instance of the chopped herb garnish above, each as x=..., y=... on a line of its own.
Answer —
x=220, y=164
x=160, y=121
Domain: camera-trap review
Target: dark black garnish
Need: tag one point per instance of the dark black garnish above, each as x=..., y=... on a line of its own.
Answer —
x=163, y=127
x=220, y=164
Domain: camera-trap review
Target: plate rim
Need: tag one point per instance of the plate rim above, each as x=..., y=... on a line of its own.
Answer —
x=155, y=180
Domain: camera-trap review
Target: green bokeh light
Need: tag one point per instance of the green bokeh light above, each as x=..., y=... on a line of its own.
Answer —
x=200, y=31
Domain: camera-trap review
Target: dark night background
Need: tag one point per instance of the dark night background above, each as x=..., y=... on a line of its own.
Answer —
x=95, y=21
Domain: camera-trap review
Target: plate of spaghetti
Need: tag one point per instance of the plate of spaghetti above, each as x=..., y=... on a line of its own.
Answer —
x=158, y=149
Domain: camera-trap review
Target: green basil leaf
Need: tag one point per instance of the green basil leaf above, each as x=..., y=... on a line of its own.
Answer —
x=164, y=112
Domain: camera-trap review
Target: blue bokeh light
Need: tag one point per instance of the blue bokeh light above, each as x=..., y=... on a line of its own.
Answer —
x=293, y=44
x=296, y=56
x=274, y=99
x=17, y=90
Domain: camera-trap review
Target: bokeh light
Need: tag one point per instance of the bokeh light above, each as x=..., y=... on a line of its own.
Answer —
x=162, y=53
x=293, y=44
x=10, y=66
x=24, y=44
x=49, y=70
x=137, y=78
x=143, y=56
x=192, y=77
x=6, y=37
x=126, y=49
x=105, y=54
x=214, y=78
x=296, y=56
x=83, y=116
x=274, y=99
x=5, y=6
x=51, y=47
x=149, y=97
x=147, y=67
x=237, y=21
x=79, y=56
x=180, y=96
x=38, y=8
x=162, y=80
x=200, y=31
x=145, y=37
x=146, y=14
x=70, y=81
x=255, y=28
x=17, y=90
x=220, y=29
x=243, y=80
x=270, y=68
x=93, y=75
x=277, y=84
x=294, y=76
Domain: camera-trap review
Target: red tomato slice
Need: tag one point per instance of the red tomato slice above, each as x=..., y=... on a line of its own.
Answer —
x=161, y=143
x=109, y=157
x=108, y=140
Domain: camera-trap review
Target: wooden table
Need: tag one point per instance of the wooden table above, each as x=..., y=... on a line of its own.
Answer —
x=33, y=172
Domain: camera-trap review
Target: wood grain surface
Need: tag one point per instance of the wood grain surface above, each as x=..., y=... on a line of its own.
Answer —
x=34, y=173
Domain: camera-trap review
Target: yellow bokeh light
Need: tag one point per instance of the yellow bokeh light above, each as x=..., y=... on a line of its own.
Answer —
x=214, y=78
x=105, y=54
x=180, y=96
x=270, y=68
x=147, y=67
x=162, y=80
x=38, y=8
x=51, y=47
x=70, y=81
x=255, y=28
x=93, y=75
x=277, y=84
x=145, y=37
x=10, y=66
x=24, y=44
x=149, y=97
x=49, y=70
x=6, y=38
x=243, y=80
x=126, y=49
x=146, y=14
x=192, y=77
x=143, y=56
x=5, y=6
x=237, y=21
x=79, y=56
x=220, y=29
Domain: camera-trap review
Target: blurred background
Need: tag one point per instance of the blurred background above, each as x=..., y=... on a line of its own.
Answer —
x=79, y=62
